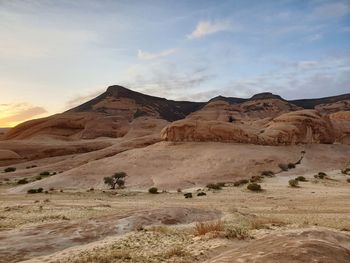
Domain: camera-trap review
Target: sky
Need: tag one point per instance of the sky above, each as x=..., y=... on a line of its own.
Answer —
x=56, y=54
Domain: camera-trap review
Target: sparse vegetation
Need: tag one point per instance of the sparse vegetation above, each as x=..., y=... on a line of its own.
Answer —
x=267, y=173
x=291, y=165
x=153, y=190
x=345, y=171
x=283, y=167
x=348, y=180
x=214, y=186
x=35, y=191
x=22, y=181
x=320, y=175
x=240, y=182
x=116, y=179
x=203, y=228
x=256, y=179
x=293, y=183
x=45, y=173
x=188, y=195
x=301, y=179
x=201, y=194
x=10, y=169
x=254, y=187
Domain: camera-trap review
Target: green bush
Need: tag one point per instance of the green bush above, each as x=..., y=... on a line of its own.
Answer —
x=254, y=187
x=214, y=186
x=22, y=181
x=301, y=179
x=293, y=183
x=10, y=169
x=153, y=190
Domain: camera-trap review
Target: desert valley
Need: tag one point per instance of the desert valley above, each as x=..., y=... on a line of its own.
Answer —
x=130, y=177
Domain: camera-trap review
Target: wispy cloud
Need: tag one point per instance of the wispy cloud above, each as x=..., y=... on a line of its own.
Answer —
x=204, y=28
x=12, y=114
x=148, y=56
x=331, y=10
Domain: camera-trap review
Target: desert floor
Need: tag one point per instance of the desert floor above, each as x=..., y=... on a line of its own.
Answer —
x=136, y=226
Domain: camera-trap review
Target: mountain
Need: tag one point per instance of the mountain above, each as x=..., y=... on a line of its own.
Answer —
x=120, y=112
x=111, y=114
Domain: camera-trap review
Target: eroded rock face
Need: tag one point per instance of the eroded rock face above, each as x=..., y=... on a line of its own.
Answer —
x=108, y=115
x=309, y=245
x=305, y=126
x=341, y=121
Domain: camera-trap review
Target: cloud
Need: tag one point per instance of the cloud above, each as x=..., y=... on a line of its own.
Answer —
x=331, y=10
x=80, y=99
x=12, y=114
x=149, y=56
x=204, y=28
x=165, y=79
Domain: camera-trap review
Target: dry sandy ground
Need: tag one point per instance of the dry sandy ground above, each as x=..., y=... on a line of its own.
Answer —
x=169, y=165
x=311, y=222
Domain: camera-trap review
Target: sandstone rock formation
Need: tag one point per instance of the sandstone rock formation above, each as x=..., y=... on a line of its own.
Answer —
x=308, y=245
x=108, y=115
x=305, y=126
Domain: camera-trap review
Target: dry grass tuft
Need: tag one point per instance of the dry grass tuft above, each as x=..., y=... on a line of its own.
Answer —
x=203, y=228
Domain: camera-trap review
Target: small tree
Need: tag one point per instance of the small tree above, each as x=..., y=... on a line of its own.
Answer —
x=116, y=179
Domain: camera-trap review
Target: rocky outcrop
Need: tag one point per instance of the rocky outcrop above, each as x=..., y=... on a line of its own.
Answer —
x=108, y=115
x=341, y=121
x=307, y=245
x=305, y=126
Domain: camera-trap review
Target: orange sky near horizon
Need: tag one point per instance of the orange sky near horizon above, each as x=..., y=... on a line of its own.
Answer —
x=13, y=114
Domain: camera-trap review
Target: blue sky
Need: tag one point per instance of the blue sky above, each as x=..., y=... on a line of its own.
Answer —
x=56, y=54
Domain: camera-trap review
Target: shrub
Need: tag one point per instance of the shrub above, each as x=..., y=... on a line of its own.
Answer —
x=256, y=179
x=293, y=183
x=221, y=184
x=201, y=194
x=32, y=191
x=320, y=175
x=188, y=195
x=203, y=228
x=45, y=173
x=116, y=179
x=153, y=190
x=40, y=190
x=254, y=187
x=301, y=179
x=283, y=166
x=22, y=181
x=291, y=165
x=348, y=180
x=10, y=169
x=38, y=177
x=179, y=190
x=267, y=173
x=345, y=171
x=240, y=182
x=214, y=186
